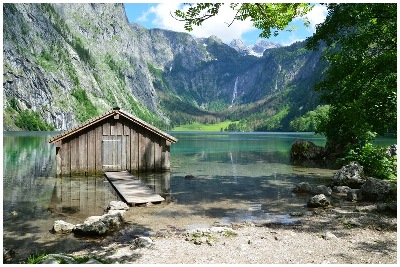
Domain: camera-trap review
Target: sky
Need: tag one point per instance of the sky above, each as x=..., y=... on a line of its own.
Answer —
x=158, y=15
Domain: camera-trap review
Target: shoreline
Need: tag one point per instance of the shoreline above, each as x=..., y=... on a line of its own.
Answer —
x=333, y=235
x=346, y=234
x=349, y=233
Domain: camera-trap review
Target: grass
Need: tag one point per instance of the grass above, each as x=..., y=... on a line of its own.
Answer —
x=196, y=126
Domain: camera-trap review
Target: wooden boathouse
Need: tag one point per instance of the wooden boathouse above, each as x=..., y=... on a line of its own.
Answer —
x=115, y=141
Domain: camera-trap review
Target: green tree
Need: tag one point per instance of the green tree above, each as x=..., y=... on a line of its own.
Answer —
x=30, y=121
x=360, y=45
x=265, y=16
x=311, y=120
x=360, y=83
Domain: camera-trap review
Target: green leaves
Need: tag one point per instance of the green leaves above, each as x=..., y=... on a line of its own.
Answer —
x=361, y=82
x=265, y=16
x=195, y=16
x=375, y=161
x=30, y=121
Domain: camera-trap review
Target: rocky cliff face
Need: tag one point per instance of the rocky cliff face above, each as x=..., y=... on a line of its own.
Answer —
x=71, y=62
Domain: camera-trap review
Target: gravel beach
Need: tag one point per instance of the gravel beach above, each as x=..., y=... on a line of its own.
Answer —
x=352, y=233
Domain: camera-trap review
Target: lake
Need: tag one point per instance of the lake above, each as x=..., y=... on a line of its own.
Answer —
x=234, y=177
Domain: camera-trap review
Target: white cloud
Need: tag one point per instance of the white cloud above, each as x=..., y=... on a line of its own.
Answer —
x=317, y=15
x=217, y=25
x=293, y=38
x=161, y=16
x=144, y=17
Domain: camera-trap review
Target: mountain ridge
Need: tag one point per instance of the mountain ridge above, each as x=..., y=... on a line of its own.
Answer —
x=256, y=49
x=70, y=62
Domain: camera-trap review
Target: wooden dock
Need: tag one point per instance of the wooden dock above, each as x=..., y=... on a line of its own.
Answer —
x=131, y=189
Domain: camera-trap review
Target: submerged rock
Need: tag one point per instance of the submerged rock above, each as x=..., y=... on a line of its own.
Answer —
x=303, y=187
x=306, y=150
x=306, y=188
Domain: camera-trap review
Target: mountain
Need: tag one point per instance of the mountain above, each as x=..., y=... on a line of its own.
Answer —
x=66, y=63
x=256, y=50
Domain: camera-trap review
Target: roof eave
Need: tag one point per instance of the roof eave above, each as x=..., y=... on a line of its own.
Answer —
x=109, y=114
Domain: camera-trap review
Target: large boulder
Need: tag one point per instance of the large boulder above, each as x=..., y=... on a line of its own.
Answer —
x=306, y=150
x=99, y=225
x=96, y=225
x=377, y=190
x=349, y=175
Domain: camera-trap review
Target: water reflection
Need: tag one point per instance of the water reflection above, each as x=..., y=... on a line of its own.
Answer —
x=250, y=171
x=81, y=196
x=28, y=163
x=160, y=183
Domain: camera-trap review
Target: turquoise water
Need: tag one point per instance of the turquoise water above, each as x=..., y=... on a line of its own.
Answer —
x=249, y=171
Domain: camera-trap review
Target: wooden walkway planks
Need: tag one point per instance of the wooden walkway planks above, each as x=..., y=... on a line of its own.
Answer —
x=132, y=189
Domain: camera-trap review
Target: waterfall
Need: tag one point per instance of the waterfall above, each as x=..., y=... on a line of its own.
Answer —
x=234, y=91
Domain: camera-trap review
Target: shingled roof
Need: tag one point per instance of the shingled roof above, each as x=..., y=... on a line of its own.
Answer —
x=111, y=113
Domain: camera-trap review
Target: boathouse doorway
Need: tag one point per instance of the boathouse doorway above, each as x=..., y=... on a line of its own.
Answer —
x=112, y=153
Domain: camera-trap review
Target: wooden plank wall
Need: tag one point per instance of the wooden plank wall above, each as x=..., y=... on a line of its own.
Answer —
x=142, y=150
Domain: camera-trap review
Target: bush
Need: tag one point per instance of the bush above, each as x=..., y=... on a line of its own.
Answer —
x=30, y=121
x=375, y=160
x=85, y=109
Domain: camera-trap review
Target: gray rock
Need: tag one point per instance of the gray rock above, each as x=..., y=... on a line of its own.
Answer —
x=322, y=189
x=306, y=150
x=8, y=254
x=368, y=208
x=57, y=259
x=143, y=242
x=391, y=206
x=349, y=175
x=99, y=225
x=328, y=236
x=353, y=195
x=303, y=187
x=341, y=189
x=318, y=201
x=92, y=261
x=115, y=212
x=117, y=205
x=49, y=260
x=63, y=227
x=377, y=190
